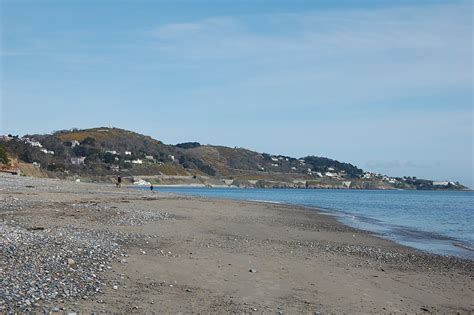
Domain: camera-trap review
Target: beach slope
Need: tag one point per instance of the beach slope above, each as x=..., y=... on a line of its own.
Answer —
x=86, y=247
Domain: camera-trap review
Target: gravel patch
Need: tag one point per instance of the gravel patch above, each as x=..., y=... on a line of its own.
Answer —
x=136, y=217
x=41, y=266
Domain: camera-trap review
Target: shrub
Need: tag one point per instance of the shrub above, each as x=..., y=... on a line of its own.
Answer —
x=3, y=155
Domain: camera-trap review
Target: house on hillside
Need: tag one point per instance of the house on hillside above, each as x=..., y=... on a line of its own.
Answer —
x=75, y=143
x=47, y=151
x=33, y=143
x=149, y=157
x=78, y=160
x=128, y=153
x=137, y=161
x=114, y=168
x=111, y=152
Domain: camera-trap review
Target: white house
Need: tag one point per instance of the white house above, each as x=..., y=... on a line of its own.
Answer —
x=171, y=157
x=112, y=152
x=74, y=143
x=367, y=175
x=35, y=144
x=114, y=168
x=78, y=160
x=440, y=183
x=137, y=161
x=128, y=153
x=274, y=159
x=149, y=157
x=32, y=142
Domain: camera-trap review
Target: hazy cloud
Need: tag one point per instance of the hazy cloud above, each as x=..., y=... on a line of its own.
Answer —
x=400, y=164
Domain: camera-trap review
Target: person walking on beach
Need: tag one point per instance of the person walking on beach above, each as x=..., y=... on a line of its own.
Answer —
x=119, y=181
x=151, y=187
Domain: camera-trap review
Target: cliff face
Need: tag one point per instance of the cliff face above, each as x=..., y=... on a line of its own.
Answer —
x=101, y=153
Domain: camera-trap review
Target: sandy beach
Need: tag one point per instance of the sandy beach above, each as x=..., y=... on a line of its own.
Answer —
x=82, y=247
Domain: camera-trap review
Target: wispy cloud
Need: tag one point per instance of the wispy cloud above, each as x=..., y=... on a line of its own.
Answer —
x=395, y=164
x=330, y=57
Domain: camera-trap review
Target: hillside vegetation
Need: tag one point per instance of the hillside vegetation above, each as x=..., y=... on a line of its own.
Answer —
x=100, y=153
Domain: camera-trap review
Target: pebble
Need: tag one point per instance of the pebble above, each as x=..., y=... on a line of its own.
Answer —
x=35, y=264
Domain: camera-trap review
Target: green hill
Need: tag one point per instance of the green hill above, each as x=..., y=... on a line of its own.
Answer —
x=106, y=152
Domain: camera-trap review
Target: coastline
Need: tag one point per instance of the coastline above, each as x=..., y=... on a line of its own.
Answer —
x=412, y=236
x=181, y=254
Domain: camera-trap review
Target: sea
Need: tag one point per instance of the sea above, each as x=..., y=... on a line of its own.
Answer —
x=440, y=222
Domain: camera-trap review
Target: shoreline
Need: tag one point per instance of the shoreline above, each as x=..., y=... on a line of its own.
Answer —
x=290, y=188
x=456, y=247
x=164, y=253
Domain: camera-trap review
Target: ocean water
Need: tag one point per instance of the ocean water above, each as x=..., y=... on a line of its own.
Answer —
x=440, y=222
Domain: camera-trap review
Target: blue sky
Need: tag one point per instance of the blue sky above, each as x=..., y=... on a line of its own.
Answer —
x=386, y=85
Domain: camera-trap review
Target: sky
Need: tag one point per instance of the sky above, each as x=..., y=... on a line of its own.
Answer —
x=384, y=85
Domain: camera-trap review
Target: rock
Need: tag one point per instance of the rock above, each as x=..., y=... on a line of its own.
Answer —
x=252, y=270
x=71, y=262
x=115, y=287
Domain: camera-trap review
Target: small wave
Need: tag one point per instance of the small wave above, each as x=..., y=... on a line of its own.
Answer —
x=265, y=201
x=464, y=246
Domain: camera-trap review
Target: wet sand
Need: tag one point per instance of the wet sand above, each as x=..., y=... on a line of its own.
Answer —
x=163, y=253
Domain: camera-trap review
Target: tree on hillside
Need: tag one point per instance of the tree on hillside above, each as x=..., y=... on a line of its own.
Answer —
x=88, y=141
x=3, y=156
x=109, y=158
x=188, y=145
